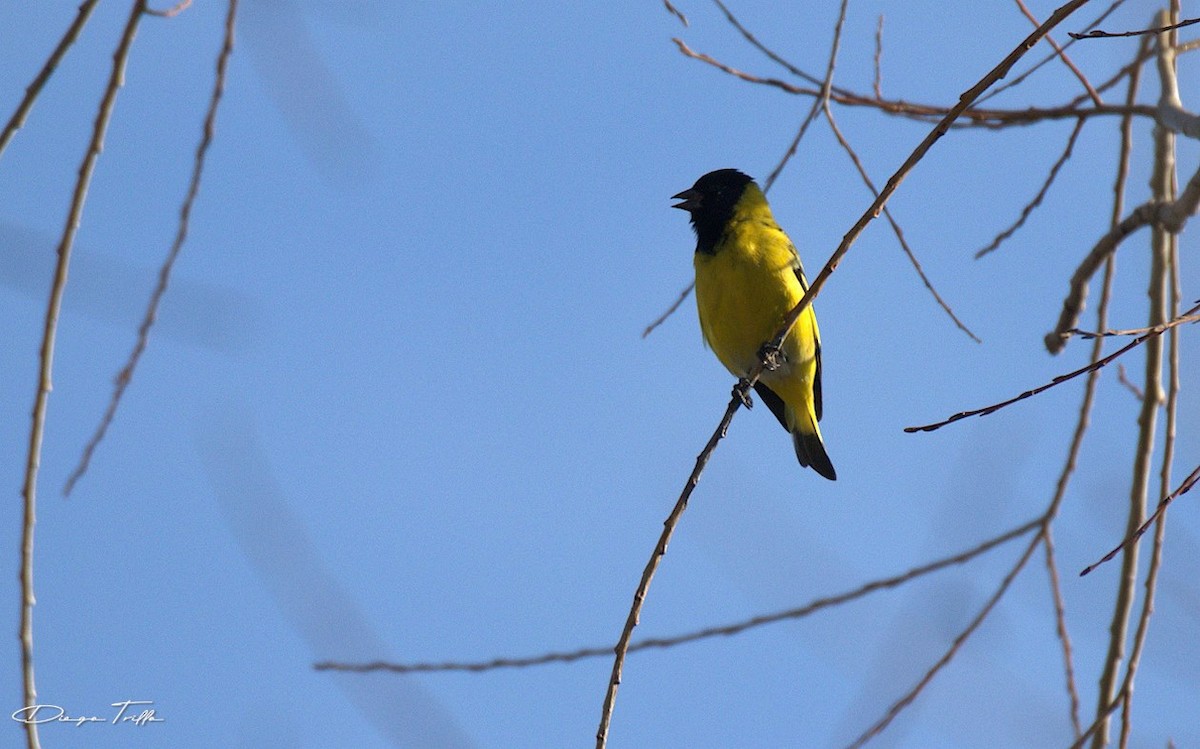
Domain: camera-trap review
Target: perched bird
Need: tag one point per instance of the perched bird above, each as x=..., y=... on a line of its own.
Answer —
x=748, y=277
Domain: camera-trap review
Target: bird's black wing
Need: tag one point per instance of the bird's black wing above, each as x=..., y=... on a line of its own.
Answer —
x=773, y=401
x=816, y=385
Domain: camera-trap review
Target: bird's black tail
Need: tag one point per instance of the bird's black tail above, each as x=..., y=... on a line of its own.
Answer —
x=810, y=451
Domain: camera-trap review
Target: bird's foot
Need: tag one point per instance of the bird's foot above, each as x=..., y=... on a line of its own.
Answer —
x=741, y=391
x=771, y=356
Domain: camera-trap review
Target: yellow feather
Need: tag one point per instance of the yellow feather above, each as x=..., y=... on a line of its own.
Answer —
x=744, y=289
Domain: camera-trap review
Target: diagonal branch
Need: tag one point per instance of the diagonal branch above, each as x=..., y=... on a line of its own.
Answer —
x=1166, y=501
x=39, y=81
x=1154, y=332
x=820, y=101
x=670, y=310
x=41, y=398
x=899, y=705
x=1061, y=53
x=1018, y=80
x=912, y=258
x=1032, y=205
x=1170, y=215
x=964, y=102
x=660, y=549
x=124, y=377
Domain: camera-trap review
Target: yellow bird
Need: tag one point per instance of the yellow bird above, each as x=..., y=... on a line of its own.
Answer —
x=748, y=277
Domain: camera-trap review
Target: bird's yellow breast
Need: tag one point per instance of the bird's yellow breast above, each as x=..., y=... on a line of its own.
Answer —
x=745, y=288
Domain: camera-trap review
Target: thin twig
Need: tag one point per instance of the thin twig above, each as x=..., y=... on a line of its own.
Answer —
x=1156, y=550
x=1090, y=334
x=826, y=86
x=877, y=82
x=39, y=81
x=42, y=395
x=1163, y=187
x=1123, y=378
x=171, y=12
x=908, y=697
x=1153, y=333
x=1062, y=55
x=660, y=549
x=1037, y=199
x=720, y=631
x=771, y=54
x=1184, y=488
x=1060, y=628
x=670, y=310
x=887, y=213
x=125, y=376
x=1018, y=80
x=1096, y=34
x=676, y=12
x=1171, y=216
x=975, y=117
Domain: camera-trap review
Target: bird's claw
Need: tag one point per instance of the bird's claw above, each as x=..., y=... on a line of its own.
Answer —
x=771, y=356
x=741, y=391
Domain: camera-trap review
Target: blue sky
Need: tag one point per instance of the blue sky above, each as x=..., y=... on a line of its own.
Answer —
x=397, y=404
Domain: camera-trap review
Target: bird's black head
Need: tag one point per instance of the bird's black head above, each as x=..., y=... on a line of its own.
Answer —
x=711, y=201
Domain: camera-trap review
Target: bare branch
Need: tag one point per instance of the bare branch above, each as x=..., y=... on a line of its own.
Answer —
x=1018, y=80
x=820, y=101
x=964, y=102
x=670, y=310
x=877, y=82
x=1171, y=216
x=1060, y=628
x=1163, y=188
x=899, y=705
x=675, y=12
x=1156, y=331
x=171, y=12
x=1062, y=55
x=912, y=258
x=39, y=81
x=1091, y=730
x=1097, y=34
x=1037, y=199
x=722, y=631
x=41, y=399
x=1081, y=426
x=1172, y=413
x=1123, y=378
x=660, y=549
x=1088, y=334
x=1184, y=488
x=771, y=54
x=125, y=376
x=975, y=117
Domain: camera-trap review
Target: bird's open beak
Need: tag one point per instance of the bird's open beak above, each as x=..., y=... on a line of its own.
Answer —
x=690, y=198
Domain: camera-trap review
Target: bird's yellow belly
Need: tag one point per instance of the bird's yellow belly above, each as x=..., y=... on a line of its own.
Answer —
x=742, y=302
